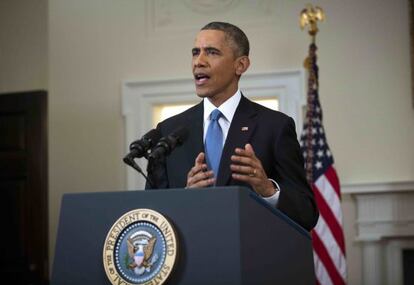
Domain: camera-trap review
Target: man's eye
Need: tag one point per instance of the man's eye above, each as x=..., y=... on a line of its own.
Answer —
x=212, y=52
x=195, y=52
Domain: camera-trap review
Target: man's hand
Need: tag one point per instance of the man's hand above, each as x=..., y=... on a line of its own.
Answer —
x=248, y=168
x=198, y=176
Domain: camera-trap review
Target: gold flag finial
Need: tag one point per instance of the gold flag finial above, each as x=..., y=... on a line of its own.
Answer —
x=310, y=17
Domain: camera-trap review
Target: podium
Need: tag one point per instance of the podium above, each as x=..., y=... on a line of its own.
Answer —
x=226, y=235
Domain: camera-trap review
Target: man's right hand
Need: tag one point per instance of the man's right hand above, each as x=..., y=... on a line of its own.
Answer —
x=199, y=176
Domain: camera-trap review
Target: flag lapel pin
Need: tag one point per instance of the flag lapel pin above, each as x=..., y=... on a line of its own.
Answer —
x=245, y=129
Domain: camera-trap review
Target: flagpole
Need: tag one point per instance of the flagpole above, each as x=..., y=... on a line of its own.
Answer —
x=309, y=17
x=327, y=237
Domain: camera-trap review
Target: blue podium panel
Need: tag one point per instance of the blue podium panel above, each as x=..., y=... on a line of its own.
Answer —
x=226, y=235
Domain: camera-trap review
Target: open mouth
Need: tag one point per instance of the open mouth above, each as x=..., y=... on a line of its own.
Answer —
x=201, y=78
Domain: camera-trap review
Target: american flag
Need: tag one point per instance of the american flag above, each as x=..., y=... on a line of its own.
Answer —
x=327, y=236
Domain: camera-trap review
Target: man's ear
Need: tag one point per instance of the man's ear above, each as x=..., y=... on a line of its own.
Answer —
x=242, y=64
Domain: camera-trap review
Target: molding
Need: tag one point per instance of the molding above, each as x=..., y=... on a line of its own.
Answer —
x=213, y=7
x=175, y=18
x=394, y=259
x=384, y=215
x=385, y=226
x=378, y=187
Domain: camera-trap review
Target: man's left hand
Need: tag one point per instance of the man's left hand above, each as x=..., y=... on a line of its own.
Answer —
x=248, y=168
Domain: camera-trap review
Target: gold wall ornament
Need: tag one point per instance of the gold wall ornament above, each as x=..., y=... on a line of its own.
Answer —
x=310, y=17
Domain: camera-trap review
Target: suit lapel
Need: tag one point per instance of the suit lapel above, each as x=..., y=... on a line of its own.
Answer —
x=241, y=129
x=195, y=131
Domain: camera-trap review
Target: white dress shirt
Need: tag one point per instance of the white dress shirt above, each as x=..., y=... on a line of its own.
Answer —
x=228, y=108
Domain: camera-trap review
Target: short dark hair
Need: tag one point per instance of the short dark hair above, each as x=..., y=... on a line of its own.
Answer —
x=233, y=33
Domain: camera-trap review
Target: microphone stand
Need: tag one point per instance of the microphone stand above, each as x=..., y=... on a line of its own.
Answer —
x=131, y=162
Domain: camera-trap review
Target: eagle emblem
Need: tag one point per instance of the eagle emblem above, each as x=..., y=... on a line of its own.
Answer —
x=136, y=251
x=140, y=252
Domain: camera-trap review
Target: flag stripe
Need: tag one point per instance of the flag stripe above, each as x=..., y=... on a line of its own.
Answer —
x=330, y=196
x=326, y=212
x=333, y=179
x=331, y=245
x=327, y=261
x=321, y=272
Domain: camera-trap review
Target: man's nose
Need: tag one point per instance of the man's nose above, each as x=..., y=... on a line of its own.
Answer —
x=200, y=60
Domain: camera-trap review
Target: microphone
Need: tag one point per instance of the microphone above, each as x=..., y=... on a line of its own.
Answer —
x=167, y=144
x=139, y=148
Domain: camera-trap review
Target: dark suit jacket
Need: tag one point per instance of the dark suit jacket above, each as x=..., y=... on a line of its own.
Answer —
x=273, y=137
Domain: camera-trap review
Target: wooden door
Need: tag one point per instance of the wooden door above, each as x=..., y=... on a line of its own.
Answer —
x=23, y=188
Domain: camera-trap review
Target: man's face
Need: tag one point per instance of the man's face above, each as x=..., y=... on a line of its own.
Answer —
x=214, y=66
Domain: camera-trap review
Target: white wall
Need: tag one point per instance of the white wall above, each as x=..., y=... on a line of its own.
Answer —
x=94, y=45
x=23, y=45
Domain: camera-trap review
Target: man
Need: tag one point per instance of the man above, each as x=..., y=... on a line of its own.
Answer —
x=255, y=146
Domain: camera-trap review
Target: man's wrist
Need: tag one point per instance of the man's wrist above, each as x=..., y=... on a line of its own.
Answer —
x=275, y=185
x=273, y=199
x=271, y=190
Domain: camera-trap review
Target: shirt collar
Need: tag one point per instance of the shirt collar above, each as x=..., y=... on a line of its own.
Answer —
x=228, y=108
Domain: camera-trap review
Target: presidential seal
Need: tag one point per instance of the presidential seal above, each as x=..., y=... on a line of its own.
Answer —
x=140, y=248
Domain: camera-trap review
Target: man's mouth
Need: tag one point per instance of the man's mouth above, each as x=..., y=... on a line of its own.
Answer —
x=201, y=78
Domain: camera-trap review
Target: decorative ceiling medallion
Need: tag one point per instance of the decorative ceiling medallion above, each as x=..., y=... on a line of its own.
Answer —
x=210, y=6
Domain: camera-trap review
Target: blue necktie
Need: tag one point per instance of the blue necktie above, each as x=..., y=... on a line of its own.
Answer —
x=214, y=142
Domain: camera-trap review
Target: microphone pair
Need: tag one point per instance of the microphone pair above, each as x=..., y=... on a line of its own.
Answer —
x=153, y=146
